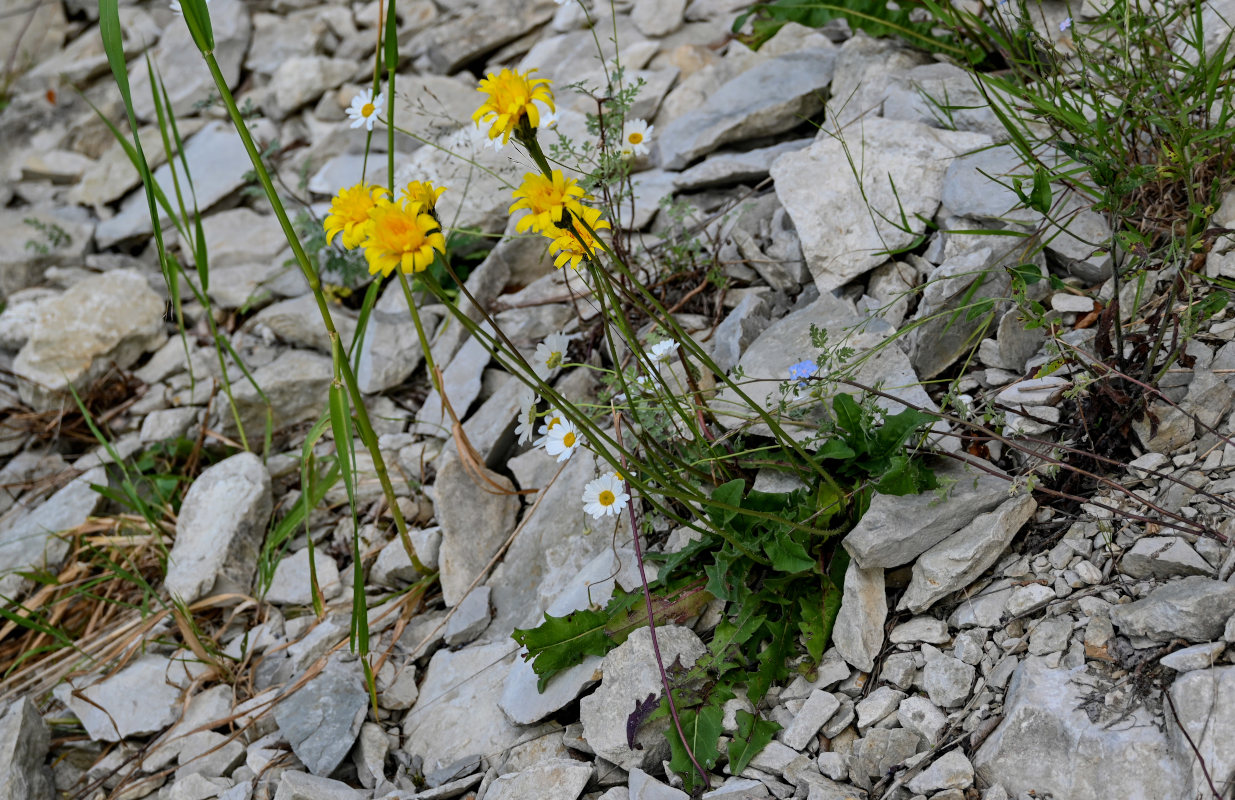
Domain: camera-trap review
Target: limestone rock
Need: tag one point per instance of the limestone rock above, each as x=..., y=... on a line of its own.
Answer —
x=322, y=719
x=474, y=525
x=110, y=319
x=858, y=631
x=23, y=749
x=292, y=585
x=142, y=698
x=27, y=540
x=841, y=237
x=630, y=677
x=1163, y=557
x=220, y=529
x=552, y=779
x=1194, y=608
x=1205, y=704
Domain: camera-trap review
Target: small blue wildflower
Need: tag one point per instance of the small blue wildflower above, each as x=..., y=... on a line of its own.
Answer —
x=1067, y=23
x=803, y=369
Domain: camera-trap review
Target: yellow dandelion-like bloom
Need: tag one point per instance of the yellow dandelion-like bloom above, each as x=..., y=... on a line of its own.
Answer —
x=546, y=198
x=512, y=99
x=402, y=235
x=423, y=192
x=572, y=248
x=349, y=213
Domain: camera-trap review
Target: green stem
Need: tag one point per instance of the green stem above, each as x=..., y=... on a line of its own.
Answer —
x=363, y=425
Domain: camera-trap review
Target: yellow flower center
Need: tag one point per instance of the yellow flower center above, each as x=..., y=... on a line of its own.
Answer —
x=397, y=231
x=635, y=137
x=554, y=359
x=367, y=110
x=606, y=498
x=569, y=440
x=552, y=421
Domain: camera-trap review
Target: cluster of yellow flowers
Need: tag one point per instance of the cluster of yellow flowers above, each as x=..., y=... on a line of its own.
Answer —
x=405, y=234
x=401, y=234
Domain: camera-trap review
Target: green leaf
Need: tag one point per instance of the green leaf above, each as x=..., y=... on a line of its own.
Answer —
x=848, y=414
x=812, y=624
x=561, y=642
x=731, y=495
x=752, y=736
x=1040, y=197
x=772, y=658
x=702, y=729
x=835, y=450
x=787, y=555
x=730, y=636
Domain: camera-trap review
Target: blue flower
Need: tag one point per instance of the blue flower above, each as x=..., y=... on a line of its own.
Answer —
x=1067, y=23
x=803, y=369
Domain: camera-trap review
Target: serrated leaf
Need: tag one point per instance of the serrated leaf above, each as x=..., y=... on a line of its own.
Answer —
x=848, y=416
x=786, y=554
x=561, y=642
x=811, y=624
x=772, y=658
x=702, y=729
x=729, y=636
x=752, y=736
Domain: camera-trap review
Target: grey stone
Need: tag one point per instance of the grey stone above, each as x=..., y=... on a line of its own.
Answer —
x=370, y=753
x=918, y=94
x=142, y=698
x=447, y=46
x=746, y=321
x=457, y=711
x=774, y=758
x=1194, y=608
x=298, y=322
x=27, y=537
x=879, y=751
x=1204, y=704
x=656, y=17
x=725, y=168
x=474, y=524
x=947, y=680
x=898, y=669
x=322, y=719
x=240, y=236
x=841, y=236
x=216, y=145
x=923, y=718
x=977, y=185
x=471, y=617
x=858, y=630
x=168, y=423
x=396, y=687
x=391, y=349
x=209, y=754
x=642, y=786
x=104, y=321
x=461, y=380
x=630, y=675
x=301, y=786
x=769, y=98
x=950, y=771
x=297, y=384
x=867, y=71
x=184, y=75
x=877, y=705
x=525, y=704
x=393, y=566
x=292, y=584
x=817, y=709
x=1045, y=723
x=220, y=529
x=195, y=787
x=1050, y=636
x=552, y=779
x=1198, y=656
x=21, y=265
x=961, y=558
x=1163, y=557
x=1017, y=343
x=23, y=750
x=1028, y=598
x=303, y=79
x=766, y=363
x=920, y=629
x=896, y=530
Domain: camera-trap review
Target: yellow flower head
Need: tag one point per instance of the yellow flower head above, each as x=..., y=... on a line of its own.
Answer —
x=576, y=248
x=349, y=213
x=423, y=192
x=546, y=198
x=512, y=98
x=401, y=235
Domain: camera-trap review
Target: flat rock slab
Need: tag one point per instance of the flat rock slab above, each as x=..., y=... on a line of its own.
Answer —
x=769, y=98
x=142, y=698
x=842, y=237
x=457, y=712
x=474, y=524
x=858, y=630
x=220, y=529
x=1044, y=724
x=1205, y=704
x=27, y=540
x=552, y=779
x=23, y=749
x=630, y=676
x=322, y=719
x=1194, y=608
x=103, y=321
x=896, y=530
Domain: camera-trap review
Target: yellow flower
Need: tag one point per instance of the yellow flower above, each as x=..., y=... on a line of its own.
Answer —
x=512, y=99
x=546, y=198
x=423, y=192
x=572, y=248
x=349, y=213
x=402, y=235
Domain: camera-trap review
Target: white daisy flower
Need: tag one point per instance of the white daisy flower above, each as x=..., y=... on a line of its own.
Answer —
x=605, y=496
x=551, y=421
x=548, y=119
x=177, y=10
x=527, y=416
x=364, y=109
x=663, y=350
x=636, y=133
x=562, y=440
x=550, y=354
